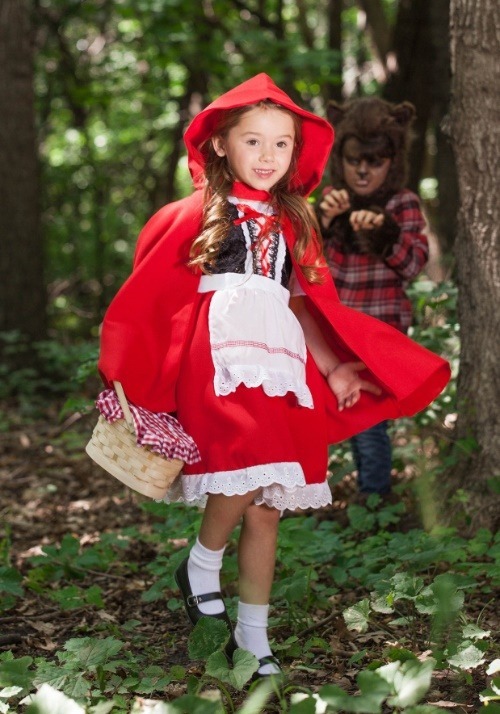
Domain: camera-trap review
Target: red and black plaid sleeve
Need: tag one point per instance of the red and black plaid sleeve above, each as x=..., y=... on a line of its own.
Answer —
x=376, y=286
x=411, y=251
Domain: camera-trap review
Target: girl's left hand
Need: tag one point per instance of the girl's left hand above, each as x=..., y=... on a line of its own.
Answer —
x=346, y=384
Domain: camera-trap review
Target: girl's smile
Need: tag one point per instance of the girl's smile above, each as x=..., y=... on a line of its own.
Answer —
x=260, y=147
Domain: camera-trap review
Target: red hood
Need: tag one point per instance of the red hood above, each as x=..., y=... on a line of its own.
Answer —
x=317, y=133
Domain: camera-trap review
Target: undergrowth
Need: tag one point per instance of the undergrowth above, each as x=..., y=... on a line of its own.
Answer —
x=414, y=588
x=404, y=596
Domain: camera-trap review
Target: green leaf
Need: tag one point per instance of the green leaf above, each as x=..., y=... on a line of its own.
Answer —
x=68, y=550
x=402, y=621
x=390, y=515
x=339, y=575
x=360, y=519
x=217, y=666
x=356, y=617
x=473, y=632
x=400, y=654
x=9, y=692
x=92, y=652
x=72, y=597
x=177, y=673
x=102, y=708
x=77, y=686
x=467, y=658
x=411, y=680
x=490, y=708
x=373, y=687
x=189, y=704
x=337, y=698
x=373, y=692
x=381, y=604
x=208, y=636
x=406, y=587
x=193, y=684
x=492, y=694
x=10, y=581
x=244, y=665
x=16, y=673
x=147, y=685
x=303, y=704
x=357, y=656
x=293, y=588
x=441, y=597
x=52, y=673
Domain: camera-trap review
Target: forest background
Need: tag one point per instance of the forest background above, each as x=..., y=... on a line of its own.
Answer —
x=94, y=98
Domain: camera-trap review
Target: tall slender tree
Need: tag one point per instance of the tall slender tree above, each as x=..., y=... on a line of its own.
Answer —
x=422, y=75
x=475, y=127
x=22, y=289
x=334, y=19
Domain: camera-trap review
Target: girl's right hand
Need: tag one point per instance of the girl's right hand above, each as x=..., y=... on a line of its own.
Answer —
x=333, y=204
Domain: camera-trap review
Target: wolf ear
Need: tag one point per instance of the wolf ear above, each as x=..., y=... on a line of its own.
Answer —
x=403, y=113
x=334, y=112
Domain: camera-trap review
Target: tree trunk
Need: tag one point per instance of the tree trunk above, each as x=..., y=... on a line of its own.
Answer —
x=378, y=25
x=422, y=76
x=22, y=290
x=412, y=80
x=334, y=20
x=475, y=128
x=445, y=217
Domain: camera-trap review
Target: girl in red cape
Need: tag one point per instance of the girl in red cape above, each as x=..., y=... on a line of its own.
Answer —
x=231, y=320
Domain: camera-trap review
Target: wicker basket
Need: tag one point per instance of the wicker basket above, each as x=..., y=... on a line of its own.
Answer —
x=114, y=448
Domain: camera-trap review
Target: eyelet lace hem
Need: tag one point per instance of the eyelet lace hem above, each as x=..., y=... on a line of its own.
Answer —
x=280, y=486
x=313, y=495
x=274, y=384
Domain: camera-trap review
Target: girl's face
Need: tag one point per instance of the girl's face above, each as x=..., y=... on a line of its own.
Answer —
x=260, y=147
x=364, y=173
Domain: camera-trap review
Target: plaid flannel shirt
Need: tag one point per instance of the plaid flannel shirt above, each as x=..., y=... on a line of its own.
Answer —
x=376, y=286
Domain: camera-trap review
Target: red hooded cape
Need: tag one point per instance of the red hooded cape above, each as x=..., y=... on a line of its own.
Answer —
x=148, y=324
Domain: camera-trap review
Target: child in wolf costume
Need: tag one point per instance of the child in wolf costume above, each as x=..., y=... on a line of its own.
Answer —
x=372, y=228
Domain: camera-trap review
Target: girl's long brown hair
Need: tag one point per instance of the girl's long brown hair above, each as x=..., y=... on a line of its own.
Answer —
x=286, y=201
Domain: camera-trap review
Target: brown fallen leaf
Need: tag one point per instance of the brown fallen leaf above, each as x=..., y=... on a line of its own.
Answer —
x=47, y=645
x=46, y=628
x=106, y=616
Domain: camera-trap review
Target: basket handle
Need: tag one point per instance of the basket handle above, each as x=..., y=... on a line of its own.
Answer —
x=124, y=405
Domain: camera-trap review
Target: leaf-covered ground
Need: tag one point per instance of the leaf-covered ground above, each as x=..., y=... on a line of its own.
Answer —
x=51, y=490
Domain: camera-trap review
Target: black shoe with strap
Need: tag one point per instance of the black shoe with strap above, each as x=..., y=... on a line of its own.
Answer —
x=191, y=601
x=230, y=649
x=270, y=659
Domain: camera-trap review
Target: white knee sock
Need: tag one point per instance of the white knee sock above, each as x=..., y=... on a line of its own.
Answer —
x=251, y=633
x=204, y=575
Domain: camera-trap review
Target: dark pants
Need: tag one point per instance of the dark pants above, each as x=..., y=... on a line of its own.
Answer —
x=373, y=458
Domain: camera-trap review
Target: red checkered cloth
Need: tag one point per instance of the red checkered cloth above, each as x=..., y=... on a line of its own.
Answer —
x=160, y=431
x=376, y=286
